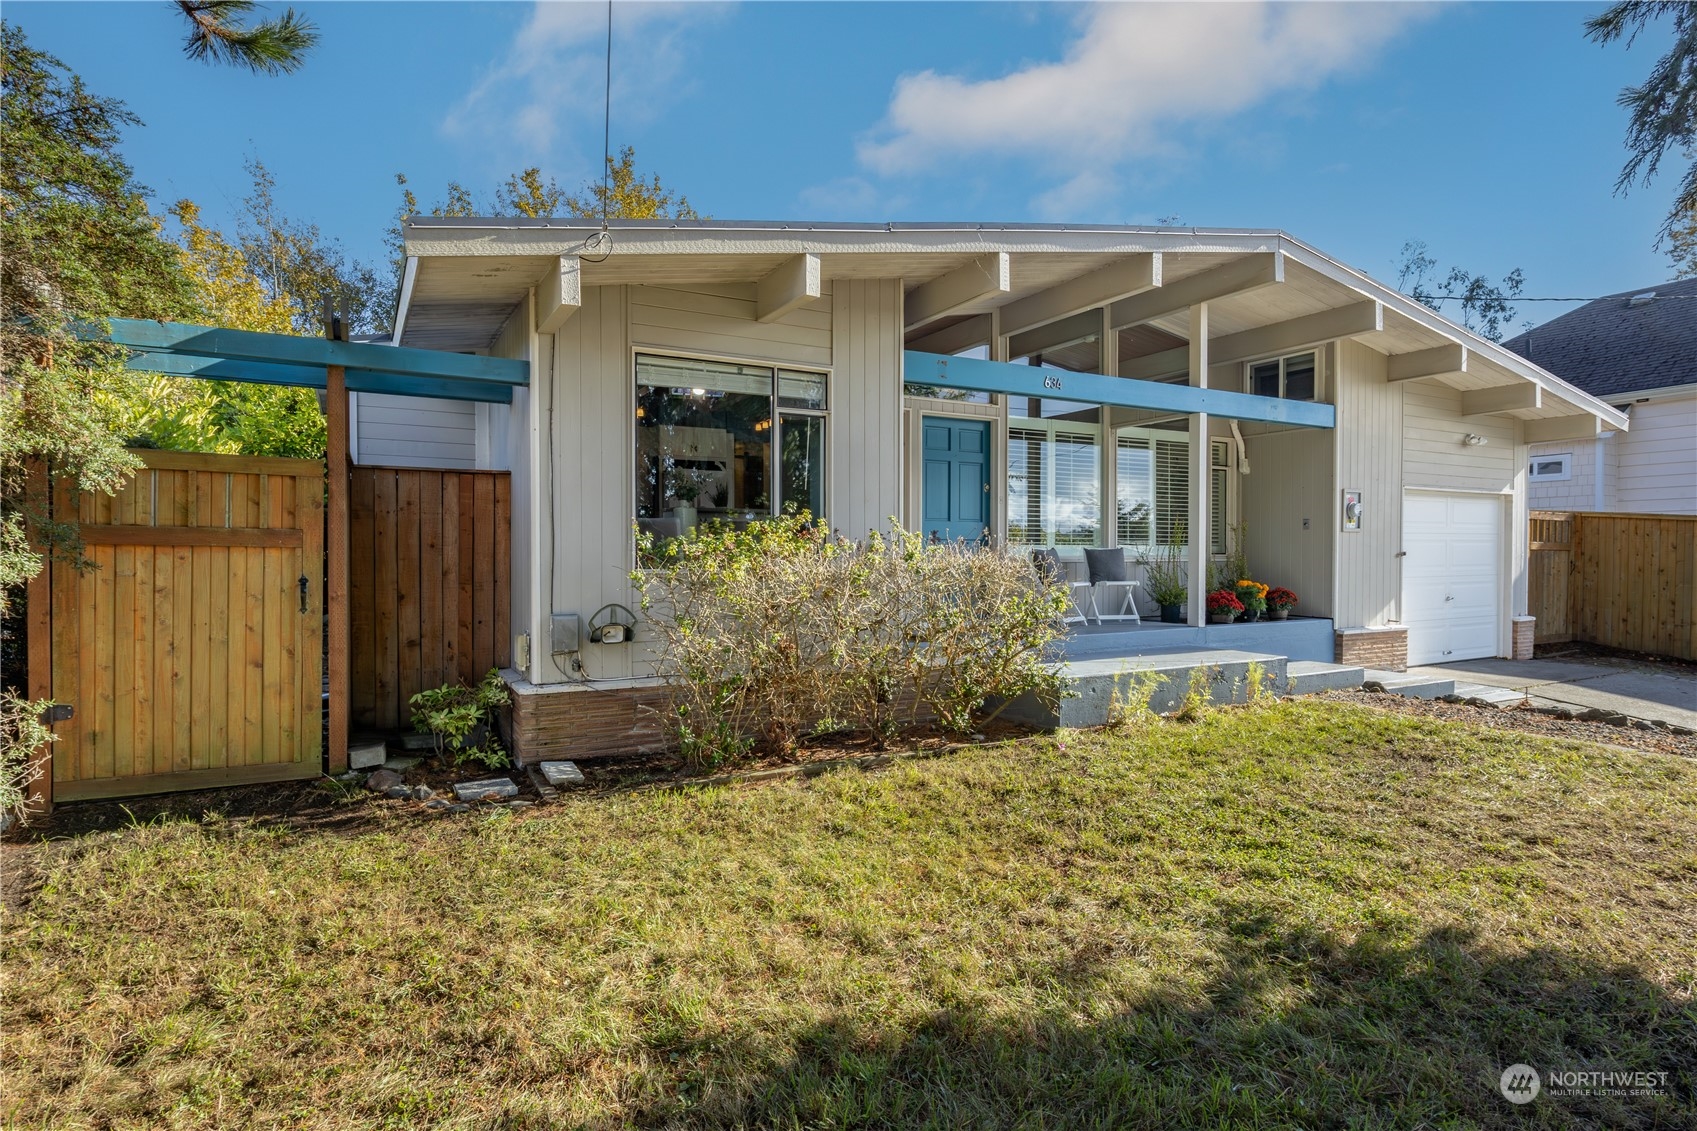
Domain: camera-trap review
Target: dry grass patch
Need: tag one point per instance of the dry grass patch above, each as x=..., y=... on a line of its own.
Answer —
x=1304, y=915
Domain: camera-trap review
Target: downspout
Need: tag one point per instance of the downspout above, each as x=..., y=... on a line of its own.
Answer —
x=1242, y=451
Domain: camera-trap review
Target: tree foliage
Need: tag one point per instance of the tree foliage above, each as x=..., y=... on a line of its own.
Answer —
x=628, y=195
x=80, y=245
x=1682, y=244
x=1664, y=106
x=219, y=32
x=1486, y=307
x=295, y=262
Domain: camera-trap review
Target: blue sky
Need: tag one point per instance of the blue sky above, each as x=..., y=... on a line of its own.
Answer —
x=1488, y=130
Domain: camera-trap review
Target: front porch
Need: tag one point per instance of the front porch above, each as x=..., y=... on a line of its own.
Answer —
x=1299, y=638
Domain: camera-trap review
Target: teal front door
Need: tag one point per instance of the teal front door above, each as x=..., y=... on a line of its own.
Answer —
x=957, y=479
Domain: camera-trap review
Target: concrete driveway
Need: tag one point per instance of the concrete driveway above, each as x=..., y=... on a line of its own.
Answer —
x=1643, y=690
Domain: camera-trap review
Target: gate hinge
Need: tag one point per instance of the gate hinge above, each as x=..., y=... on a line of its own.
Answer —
x=57, y=713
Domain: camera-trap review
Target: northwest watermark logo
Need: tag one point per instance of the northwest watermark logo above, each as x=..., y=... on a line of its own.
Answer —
x=1520, y=1084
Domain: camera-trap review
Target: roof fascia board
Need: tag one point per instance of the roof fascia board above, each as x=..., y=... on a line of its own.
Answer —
x=404, y=303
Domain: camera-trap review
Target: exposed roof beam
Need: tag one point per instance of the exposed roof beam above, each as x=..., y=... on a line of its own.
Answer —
x=793, y=283
x=1246, y=274
x=314, y=377
x=559, y=295
x=974, y=331
x=1448, y=360
x=1501, y=398
x=1299, y=333
x=288, y=349
x=985, y=276
x=1167, y=363
x=1121, y=279
x=1582, y=427
x=1056, y=334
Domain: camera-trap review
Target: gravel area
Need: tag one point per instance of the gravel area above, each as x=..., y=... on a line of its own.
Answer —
x=1528, y=720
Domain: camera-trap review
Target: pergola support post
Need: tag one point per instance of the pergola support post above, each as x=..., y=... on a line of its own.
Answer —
x=336, y=564
x=1197, y=526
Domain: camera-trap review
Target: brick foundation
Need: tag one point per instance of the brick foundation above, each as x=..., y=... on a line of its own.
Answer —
x=1524, y=632
x=564, y=721
x=1382, y=648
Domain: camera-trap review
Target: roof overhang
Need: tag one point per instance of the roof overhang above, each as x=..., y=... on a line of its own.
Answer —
x=467, y=276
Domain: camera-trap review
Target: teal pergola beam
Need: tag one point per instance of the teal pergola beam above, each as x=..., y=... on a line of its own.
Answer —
x=288, y=349
x=1092, y=388
x=312, y=377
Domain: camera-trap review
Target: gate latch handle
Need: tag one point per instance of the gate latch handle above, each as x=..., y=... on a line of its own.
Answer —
x=305, y=585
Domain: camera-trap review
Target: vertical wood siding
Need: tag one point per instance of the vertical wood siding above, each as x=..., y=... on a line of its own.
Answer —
x=416, y=432
x=190, y=654
x=1655, y=461
x=866, y=405
x=429, y=585
x=1369, y=452
x=1291, y=480
x=1620, y=580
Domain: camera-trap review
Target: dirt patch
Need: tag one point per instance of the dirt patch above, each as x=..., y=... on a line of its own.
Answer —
x=1616, y=657
x=1525, y=720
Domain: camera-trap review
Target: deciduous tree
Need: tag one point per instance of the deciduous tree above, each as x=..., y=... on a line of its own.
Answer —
x=1485, y=307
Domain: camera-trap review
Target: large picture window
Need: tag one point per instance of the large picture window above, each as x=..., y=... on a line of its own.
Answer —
x=1054, y=483
x=718, y=439
x=1152, y=477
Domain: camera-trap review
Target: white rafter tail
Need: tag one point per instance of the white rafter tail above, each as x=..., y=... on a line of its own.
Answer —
x=1299, y=333
x=963, y=335
x=559, y=295
x=1122, y=279
x=793, y=283
x=1448, y=360
x=985, y=277
x=1501, y=398
x=1241, y=276
x=1582, y=427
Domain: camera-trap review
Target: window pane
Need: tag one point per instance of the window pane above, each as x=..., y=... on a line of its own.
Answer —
x=1172, y=491
x=801, y=464
x=1135, y=501
x=1299, y=378
x=683, y=375
x=1074, y=510
x=1025, y=487
x=705, y=450
x=801, y=390
x=1264, y=379
x=1217, y=512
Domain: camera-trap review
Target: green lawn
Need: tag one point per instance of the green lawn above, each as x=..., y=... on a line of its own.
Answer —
x=1306, y=915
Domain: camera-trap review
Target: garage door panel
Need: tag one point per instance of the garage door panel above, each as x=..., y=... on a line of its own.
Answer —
x=1451, y=576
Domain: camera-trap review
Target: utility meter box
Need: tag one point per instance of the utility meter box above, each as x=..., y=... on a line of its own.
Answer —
x=563, y=634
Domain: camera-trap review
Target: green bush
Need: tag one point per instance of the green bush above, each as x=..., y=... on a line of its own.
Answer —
x=453, y=711
x=771, y=633
x=21, y=735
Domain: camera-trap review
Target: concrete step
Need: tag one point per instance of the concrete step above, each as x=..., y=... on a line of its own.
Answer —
x=1413, y=686
x=1307, y=677
x=1495, y=696
x=1098, y=689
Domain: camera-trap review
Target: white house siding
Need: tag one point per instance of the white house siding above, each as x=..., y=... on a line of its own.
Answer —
x=519, y=439
x=866, y=405
x=415, y=432
x=717, y=320
x=1289, y=485
x=1579, y=491
x=1368, y=445
x=1655, y=460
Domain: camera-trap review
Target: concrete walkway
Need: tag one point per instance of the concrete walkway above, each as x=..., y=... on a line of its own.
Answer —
x=1642, y=690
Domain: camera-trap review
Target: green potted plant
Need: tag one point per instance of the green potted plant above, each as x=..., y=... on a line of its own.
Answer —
x=1280, y=601
x=1164, y=578
x=1253, y=596
x=686, y=489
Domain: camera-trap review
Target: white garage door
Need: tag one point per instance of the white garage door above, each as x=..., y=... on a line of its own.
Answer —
x=1450, y=576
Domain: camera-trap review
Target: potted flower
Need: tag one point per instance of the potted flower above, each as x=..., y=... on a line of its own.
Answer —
x=686, y=488
x=1164, y=578
x=1223, y=606
x=1280, y=601
x=1253, y=596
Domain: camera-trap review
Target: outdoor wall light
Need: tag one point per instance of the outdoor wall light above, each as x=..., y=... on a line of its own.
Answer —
x=1474, y=440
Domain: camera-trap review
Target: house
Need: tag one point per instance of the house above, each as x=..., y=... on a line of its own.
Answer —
x=1637, y=351
x=1046, y=386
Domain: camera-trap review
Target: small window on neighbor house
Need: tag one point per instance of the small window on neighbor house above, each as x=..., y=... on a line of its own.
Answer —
x=1291, y=378
x=1552, y=468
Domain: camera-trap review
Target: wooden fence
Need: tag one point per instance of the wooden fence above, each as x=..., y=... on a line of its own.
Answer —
x=188, y=655
x=1620, y=580
x=430, y=580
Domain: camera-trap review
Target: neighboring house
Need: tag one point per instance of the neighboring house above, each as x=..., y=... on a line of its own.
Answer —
x=1637, y=351
x=1042, y=385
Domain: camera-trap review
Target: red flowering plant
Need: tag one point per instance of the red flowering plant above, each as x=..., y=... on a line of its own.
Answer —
x=1222, y=601
x=1281, y=598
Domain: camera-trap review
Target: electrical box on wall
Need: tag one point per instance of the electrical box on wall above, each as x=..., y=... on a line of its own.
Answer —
x=521, y=651
x=563, y=633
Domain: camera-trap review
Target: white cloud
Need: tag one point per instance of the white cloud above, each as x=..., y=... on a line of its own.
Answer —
x=552, y=79
x=1134, y=74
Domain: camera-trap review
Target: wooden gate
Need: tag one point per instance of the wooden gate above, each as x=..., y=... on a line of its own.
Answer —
x=1625, y=581
x=1549, y=563
x=192, y=654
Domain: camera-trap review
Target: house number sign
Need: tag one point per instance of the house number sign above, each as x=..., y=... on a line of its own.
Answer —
x=1051, y=381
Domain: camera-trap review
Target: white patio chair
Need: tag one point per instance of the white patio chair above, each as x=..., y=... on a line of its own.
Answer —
x=1108, y=576
x=1048, y=562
